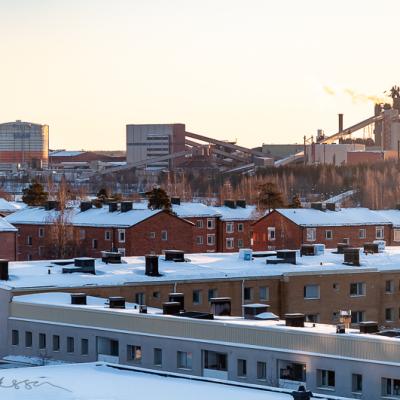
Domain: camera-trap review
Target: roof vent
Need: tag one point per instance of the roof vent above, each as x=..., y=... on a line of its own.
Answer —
x=111, y=257
x=176, y=201
x=116, y=302
x=196, y=315
x=178, y=297
x=4, y=270
x=258, y=311
x=284, y=257
x=371, y=248
x=85, y=205
x=245, y=254
x=52, y=205
x=171, y=307
x=142, y=309
x=330, y=206
x=82, y=264
x=151, y=265
x=78, y=298
x=221, y=305
x=352, y=256
x=312, y=249
x=230, y=203
x=113, y=206
x=317, y=206
x=341, y=247
x=126, y=206
x=174, y=255
x=295, y=320
x=241, y=203
x=368, y=327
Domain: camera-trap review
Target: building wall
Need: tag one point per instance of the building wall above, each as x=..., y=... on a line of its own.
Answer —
x=241, y=238
x=201, y=230
x=8, y=245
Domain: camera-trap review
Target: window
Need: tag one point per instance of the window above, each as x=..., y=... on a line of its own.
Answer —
x=56, y=343
x=42, y=341
x=164, y=235
x=210, y=223
x=107, y=235
x=362, y=233
x=390, y=387
x=263, y=293
x=140, y=298
x=196, y=296
x=240, y=243
x=84, y=347
x=157, y=357
x=357, y=317
x=82, y=234
x=41, y=232
x=357, y=289
x=152, y=235
x=199, y=223
x=184, y=360
x=215, y=361
x=311, y=292
x=210, y=240
x=325, y=378
x=15, y=337
x=135, y=353
x=380, y=234
x=328, y=235
x=230, y=227
x=41, y=250
x=346, y=240
x=240, y=227
x=199, y=240
x=230, y=243
x=271, y=233
x=396, y=235
x=28, y=339
x=292, y=371
x=121, y=235
x=389, y=286
x=212, y=293
x=356, y=383
x=29, y=240
x=311, y=234
x=389, y=314
x=261, y=370
x=94, y=244
x=156, y=295
x=241, y=368
x=70, y=344
x=247, y=293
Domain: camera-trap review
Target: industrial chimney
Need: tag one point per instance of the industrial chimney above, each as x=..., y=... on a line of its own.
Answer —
x=340, y=122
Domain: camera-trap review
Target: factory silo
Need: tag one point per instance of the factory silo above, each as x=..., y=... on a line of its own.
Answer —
x=24, y=145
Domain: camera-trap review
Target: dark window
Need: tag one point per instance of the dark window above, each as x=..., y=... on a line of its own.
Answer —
x=261, y=370
x=15, y=337
x=84, y=347
x=70, y=344
x=42, y=341
x=241, y=367
x=135, y=353
x=248, y=292
x=356, y=383
x=28, y=339
x=212, y=293
x=196, y=296
x=158, y=357
x=56, y=343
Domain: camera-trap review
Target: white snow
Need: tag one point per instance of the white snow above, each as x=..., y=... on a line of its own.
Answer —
x=65, y=153
x=5, y=226
x=344, y=216
x=6, y=206
x=99, y=381
x=200, y=266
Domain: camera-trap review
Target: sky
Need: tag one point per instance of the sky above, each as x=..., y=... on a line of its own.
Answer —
x=258, y=71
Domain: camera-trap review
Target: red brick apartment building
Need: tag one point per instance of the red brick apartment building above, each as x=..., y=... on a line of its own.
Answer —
x=290, y=228
x=131, y=232
x=8, y=240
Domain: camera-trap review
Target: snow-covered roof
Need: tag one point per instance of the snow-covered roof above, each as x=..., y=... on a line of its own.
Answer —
x=96, y=217
x=204, y=266
x=6, y=206
x=65, y=153
x=393, y=216
x=88, y=381
x=5, y=226
x=344, y=216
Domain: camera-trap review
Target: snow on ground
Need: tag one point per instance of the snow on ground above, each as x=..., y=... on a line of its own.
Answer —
x=198, y=266
x=97, y=381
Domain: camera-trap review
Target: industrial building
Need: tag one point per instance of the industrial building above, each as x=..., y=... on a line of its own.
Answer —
x=23, y=145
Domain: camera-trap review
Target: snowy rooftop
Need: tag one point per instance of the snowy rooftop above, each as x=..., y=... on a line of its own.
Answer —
x=7, y=206
x=65, y=153
x=205, y=266
x=5, y=226
x=101, y=381
x=344, y=216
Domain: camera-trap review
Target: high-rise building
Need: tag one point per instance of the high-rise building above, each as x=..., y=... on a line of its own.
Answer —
x=153, y=141
x=24, y=144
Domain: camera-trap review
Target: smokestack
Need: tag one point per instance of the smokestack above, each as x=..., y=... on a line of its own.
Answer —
x=340, y=122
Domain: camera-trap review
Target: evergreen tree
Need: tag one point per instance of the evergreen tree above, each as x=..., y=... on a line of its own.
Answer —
x=296, y=203
x=270, y=197
x=34, y=195
x=158, y=199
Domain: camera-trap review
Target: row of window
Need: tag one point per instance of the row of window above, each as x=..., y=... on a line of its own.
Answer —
x=210, y=240
x=355, y=289
x=210, y=223
x=55, y=344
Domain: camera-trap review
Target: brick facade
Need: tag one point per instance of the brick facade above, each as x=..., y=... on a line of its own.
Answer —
x=8, y=245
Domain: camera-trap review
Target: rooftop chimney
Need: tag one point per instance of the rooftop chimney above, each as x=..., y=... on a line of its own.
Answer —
x=230, y=203
x=178, y=297
x=85, y=205
x=176, y=201
x=113, y=206
x=174, y=255
x=52, y=205
x=171, y=308
x=151, y=265
x=340, y=122
x=126, y=206
x=295, y=319
x=241, y=203
x=78, y=298
x=221, y=305
x=116, y=302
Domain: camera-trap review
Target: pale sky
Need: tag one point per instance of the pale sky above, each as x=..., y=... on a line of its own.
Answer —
x=251, y=70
